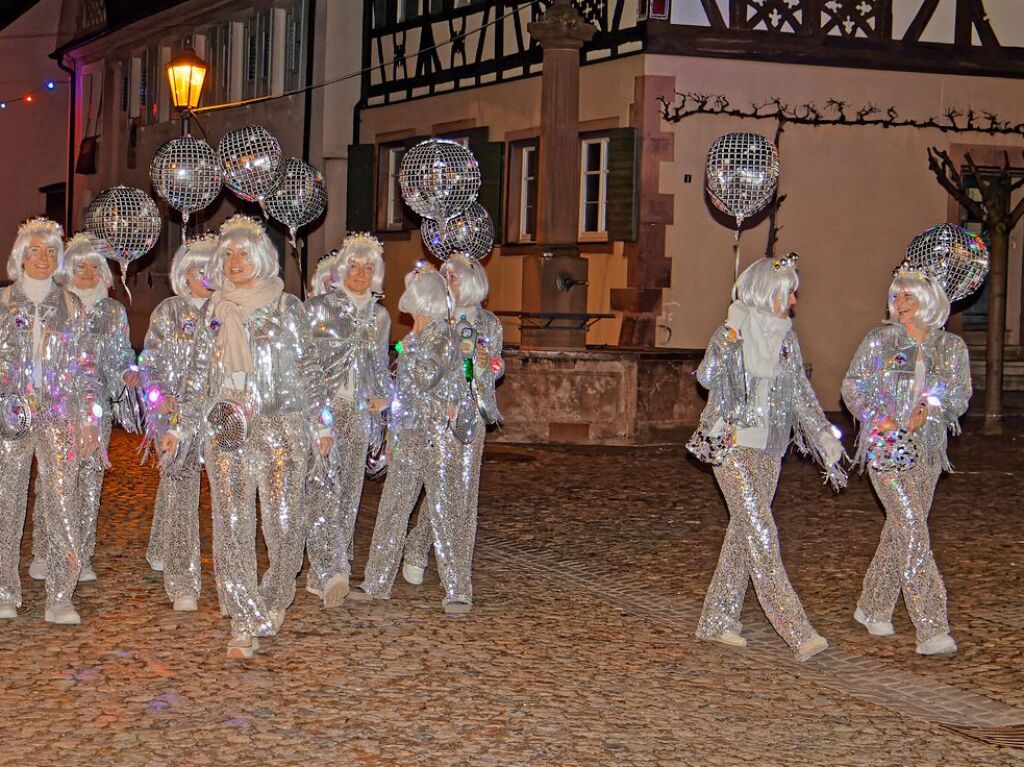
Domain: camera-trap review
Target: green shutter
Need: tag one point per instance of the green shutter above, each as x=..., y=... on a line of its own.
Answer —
x=491, y=156
x=623, y=197
x=360, y=188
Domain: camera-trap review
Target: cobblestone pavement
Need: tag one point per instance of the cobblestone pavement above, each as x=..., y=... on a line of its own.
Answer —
x=590, y=570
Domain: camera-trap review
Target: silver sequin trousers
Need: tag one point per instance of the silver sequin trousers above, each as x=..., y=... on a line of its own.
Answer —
x=903, y=560
x=51, y=443
x=430, y=460
x=174, y=538
x=333, y=509
x=272, y=464
x=748, y=479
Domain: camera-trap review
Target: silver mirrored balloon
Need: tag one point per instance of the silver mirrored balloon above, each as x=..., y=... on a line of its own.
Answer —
x=956, y=258
x=252, y=162
x=470, y=233
x=439, y=178
x=15, y=417
x=742, y=173
x=187, y=174
x=228, y=424
x=301, y=197
x=128, y=219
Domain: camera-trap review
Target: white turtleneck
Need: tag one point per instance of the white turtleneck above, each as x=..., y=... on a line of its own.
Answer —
x=90, y=296
x=359, y=300
x=196, y=301
x=37, y=291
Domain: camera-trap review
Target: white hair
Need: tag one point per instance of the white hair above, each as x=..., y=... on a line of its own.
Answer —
x=472, y=279
x=360, y=250
x=262, y=253
x=195, y=254
x=82, y=247
x=426, y=294
x=49, y=230
x=934, y=305
x=323, y=275
x=766, y=285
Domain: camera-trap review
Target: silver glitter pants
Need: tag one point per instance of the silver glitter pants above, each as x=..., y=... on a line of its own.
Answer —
x=422, y=460
x=174, y=540
x=748, y=479
x=903, y=560
x=90, y=490
x=51, y=443
x=333, y=509
x=421, y=537
x=272, y=464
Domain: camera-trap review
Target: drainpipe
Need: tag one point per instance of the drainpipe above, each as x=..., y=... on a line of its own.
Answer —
x=307, y=119
x=69, y=191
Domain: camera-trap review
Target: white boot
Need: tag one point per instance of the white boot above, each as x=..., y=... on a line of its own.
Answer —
x=242, y=646
x=8, y=611
x=730, y=638
x=186, y=605
x=335, y=590
x=412, y=574
x=63, y=616
x=88, y=575
x=942, y=644
x=810, y=648
x=37, y=570
x=875, y=628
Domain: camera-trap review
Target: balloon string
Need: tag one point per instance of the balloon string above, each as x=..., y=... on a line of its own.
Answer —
x=124, y=282
x=736, y=253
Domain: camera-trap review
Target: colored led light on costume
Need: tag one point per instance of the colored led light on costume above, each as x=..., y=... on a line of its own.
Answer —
x=836, y=431
x=97, y=410
x=932, y=400
x=496, y=366
x=153, y=396
x=398, y=347
x=326, y=417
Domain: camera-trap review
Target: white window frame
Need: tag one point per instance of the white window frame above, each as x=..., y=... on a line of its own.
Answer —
x=524, y=183
x=395, y=212
x=601, y=233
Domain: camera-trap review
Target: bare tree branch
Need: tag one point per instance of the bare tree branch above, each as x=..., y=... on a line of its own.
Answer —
x=949, y=178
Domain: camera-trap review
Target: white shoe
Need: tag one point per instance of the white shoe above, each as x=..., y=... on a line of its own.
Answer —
x=63, y=616
x=358, y=595
x=186, y=604
x=457, y=608
x=730, y=638
x=156, y=567
x=335, y=590
x=37, y=570
x=875, y=628
x=88, y=575
x=412, y=574
x=314, y=591
x=242, y=647
x=8, y=611
x=810, y=648
x=942, y=644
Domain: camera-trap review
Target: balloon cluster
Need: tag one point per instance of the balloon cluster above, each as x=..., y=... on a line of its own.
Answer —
x=440, y=180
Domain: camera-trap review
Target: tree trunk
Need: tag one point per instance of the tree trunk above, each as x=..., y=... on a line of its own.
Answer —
x=999, y=248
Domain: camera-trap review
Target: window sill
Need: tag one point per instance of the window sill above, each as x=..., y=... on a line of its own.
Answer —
x=593, y=236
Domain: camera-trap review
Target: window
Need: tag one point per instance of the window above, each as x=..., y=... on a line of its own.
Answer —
x=217, y=87
x=293, y=46
x=594, y=188
x=152, y=86
x=522, y=191
x=394, y=218
x=257, y=55
x=654, y=9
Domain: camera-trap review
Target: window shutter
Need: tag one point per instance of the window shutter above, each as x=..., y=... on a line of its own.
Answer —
x=623, y=195
x=491, y=156
x=410, y=218
x=360, y=188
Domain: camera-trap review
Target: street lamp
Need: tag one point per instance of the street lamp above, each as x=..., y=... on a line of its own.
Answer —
x=186, y=73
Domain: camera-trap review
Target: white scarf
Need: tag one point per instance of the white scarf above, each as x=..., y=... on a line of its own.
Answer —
x=762, y=334
x=91, y=296
x=359, y=300
x=37, y=291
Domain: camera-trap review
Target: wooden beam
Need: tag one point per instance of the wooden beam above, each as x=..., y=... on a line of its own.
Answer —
x=921, y=18
x=714, y=14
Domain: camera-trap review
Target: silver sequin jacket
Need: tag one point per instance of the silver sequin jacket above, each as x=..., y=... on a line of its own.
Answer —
x=880, y=384
x=351, y=341
x=490, y=334
x=165, y=357
x=106, y=338
x=793, y=416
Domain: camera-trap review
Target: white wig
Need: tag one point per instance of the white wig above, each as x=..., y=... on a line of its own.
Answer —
x=49, y=230
x=360, y=248
x=934, y=305
x=426, y=294
x=323, y=275
x=471, y=276
x=767, y=283
x=194, y=254
x=249, y=234
x=84, y=246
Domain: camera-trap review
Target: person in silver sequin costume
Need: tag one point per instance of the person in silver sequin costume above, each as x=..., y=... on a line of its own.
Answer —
x=174, y=539
x=43, y=363
x=323, y=276
x=351, y=330
x=86, y=274
x=430, y=396
x=759, y=402
x=468, y=285
x=907, y=384
x=255, y=400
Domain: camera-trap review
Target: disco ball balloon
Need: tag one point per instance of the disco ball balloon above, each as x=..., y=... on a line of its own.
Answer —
x=439, y=178
x=127, y=218
x=252, y=162
x=187, y=174
x=742, y=173
x=470, y=233
x=228, y=424
x=955, y=257
x=15, y=416
x=301, y=197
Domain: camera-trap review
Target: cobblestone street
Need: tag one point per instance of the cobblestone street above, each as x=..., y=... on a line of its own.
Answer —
x=590, y=571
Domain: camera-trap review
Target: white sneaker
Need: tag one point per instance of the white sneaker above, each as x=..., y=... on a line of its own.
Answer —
x=875, y=628
x=335, y=590
x=156, y=567
x=810, y=648
x=88, y=575
x=942, y=644
x=730, y=638
x=412, y=574
x=37, y=570
x=457, y=608
x=318, y=593
x=8, y=611
x=63, y=616
x=186, y=605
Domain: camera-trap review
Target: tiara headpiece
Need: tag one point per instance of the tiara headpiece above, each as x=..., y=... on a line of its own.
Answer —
x=87, y=243
x=245, y=223
x=42, y=226
x=788, y=261
x=905, y=267
x=206, y=238
x=365, y=239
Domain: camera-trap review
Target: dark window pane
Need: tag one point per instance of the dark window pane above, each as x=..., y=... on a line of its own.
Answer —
x=592, y=188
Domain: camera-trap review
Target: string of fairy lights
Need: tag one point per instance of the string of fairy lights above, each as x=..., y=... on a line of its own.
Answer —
x=30, y=96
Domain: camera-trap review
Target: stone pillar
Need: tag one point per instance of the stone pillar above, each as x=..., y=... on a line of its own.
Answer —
x=555, y=275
